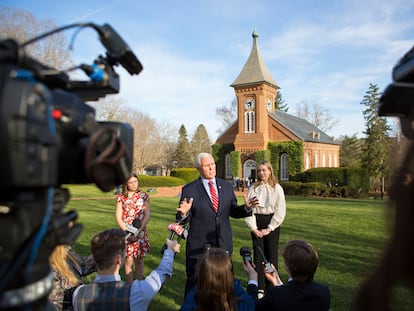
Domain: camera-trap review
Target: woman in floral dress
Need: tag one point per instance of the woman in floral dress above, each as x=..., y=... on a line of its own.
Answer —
x=132, y=203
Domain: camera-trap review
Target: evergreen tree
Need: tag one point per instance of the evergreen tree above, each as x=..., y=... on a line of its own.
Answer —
x=375, y=150
x=350, y=151
x=280, y=103
x=183, y=154
x=200, y=141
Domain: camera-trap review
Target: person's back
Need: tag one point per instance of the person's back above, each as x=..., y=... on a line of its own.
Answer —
x=300, y=292
x=94, y=296
x=296, y=296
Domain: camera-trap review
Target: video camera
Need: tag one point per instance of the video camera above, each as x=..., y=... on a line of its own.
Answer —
x=398, y=98
x=49, y=137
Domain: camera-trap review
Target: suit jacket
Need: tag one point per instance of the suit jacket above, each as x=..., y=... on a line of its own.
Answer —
x=296, y=296
x=205, y=226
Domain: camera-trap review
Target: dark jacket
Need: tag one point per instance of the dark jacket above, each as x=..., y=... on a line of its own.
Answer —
x=205, y=226
x=296, y=296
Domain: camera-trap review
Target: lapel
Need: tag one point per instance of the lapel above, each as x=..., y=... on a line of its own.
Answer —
x=203, y=192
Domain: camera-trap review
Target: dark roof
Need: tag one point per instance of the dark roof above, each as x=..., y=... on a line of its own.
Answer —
x=303, y=129
x=254, y=70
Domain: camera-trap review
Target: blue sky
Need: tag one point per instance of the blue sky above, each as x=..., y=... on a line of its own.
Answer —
x=324, y=52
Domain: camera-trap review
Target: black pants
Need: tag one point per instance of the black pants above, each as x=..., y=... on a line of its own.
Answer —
x=270, y=247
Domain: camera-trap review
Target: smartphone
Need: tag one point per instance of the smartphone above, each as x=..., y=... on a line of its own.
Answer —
x=268, y=267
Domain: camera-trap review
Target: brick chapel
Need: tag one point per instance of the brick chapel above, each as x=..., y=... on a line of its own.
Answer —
x=258, y=123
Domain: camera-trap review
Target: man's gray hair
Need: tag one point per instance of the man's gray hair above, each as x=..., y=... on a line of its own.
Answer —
x=200, y=156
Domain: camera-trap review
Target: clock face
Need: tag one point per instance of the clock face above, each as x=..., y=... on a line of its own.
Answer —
x=249, y=104
x=269, y=105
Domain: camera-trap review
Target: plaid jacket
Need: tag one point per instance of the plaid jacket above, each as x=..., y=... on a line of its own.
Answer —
x=103, y=296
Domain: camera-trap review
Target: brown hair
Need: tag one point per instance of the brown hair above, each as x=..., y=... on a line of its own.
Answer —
x=125, y=184
x=272, y=181
x=301, y=259
x=215, y=282
x=106, y=245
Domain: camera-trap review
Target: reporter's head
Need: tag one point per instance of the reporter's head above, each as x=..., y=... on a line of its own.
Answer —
x=301, y=260
x=215, y=280
x=106, y=246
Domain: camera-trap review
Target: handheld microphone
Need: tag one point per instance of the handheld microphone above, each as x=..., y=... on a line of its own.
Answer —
x=246, y=253
x=176, y=230
x=133, y=230
x=267, y=264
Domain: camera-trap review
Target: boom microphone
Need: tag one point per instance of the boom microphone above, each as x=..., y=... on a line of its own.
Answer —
x=176, y=230
x=268, y=265
x=246, y=253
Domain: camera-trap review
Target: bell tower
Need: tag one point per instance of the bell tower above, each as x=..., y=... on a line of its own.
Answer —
x=255, y=91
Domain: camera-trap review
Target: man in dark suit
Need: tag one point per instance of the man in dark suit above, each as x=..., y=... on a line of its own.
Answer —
x=300, y=292
x=208, y=226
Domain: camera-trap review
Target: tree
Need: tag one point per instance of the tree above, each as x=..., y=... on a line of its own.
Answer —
x=375, y=151
x=350, y=151
x=227, y=115
x=183, y=155
x=109, y=108
x=22, y=25
x=316, y=114
x=280, y=103
x=200, y=141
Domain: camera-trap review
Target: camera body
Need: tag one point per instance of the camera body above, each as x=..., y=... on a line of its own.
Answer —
x=50, y=137
x=397, y=99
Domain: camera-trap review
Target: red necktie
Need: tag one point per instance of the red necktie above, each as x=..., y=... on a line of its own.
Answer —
x=214, y=197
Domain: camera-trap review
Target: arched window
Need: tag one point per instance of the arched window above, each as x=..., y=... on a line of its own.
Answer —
x=249, y=126
x=316, y=160
x=228, y=165
x=283, y=173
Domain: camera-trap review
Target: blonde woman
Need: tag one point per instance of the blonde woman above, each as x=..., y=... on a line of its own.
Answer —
x=68, y=268
x=267, y=217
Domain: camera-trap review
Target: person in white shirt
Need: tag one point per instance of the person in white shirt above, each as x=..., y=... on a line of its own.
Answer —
x=267, y=217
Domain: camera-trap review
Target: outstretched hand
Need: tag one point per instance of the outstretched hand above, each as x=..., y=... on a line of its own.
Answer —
x=185, y=206
x=250, y=203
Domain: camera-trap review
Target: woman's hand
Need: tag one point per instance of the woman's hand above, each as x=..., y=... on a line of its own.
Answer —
x=265, y=231
x=257, y=233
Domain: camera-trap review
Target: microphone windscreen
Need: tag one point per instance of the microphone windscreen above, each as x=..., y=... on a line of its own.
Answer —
x=245, y=250
x=137, y=223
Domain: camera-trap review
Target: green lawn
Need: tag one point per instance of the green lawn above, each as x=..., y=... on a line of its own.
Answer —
x=348, y=234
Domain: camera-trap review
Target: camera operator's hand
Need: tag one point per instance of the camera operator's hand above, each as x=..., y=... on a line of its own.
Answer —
x=250, y=269
x=273, y=277
x=173, y=245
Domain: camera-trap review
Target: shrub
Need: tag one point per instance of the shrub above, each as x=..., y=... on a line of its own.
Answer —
x=187, y=173
x=160, y=181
